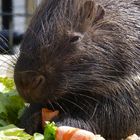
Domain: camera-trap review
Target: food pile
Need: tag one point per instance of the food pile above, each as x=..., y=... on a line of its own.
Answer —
x=11, y=132
x=52, y=132
x=12, y=107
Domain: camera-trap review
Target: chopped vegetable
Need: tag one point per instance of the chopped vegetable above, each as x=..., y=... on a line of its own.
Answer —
x=11, y=104
x=11, y=132
x=52, y=132
x=48, y=115
x=12, y=107
x=7, y=84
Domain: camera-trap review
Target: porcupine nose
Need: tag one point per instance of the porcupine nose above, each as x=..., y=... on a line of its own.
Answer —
x=28, y=84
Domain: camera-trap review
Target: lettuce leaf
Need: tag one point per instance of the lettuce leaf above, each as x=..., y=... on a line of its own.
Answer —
x=11, y=108
x=11, y=132
x=11, y=104
x=50, y=131
x=8, y=84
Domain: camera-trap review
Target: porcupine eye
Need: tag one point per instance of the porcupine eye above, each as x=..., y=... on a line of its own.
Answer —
x=76, y=37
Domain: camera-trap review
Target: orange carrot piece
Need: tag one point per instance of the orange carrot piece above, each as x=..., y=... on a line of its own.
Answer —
x=52, y=132
x=70, y=133
x=48, y=115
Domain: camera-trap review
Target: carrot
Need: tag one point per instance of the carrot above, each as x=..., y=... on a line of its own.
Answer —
x=48, y=115
x=52, y=132
x=70, y=133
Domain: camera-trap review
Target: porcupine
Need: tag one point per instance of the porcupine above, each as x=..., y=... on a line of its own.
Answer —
x=82, y=57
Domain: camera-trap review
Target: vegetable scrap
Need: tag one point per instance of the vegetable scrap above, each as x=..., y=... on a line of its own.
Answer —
x=12, y=107
x=11, y=104
x=52, y=132
x=11, y=132
x=48, y=115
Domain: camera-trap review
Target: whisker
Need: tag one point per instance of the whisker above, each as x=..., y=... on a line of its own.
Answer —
x=6, y=45
x=51, y=105
x=84, y=96
x=14, y=58
x=8, y=60
x=8, y=64
x=6, y=72
x=75, y=105
x=95, y=108
x=60, y=107
x=5, y=55
x=5, y=68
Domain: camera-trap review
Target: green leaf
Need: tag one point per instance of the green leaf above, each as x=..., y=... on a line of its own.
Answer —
x=3, y=110
x=8, y=83
x=50, y=131
x=3, y=123
x=2, y=105
x=20, y=112
x=7, y=127
x=38, y=136
x=11, y=132
x=11, y=104
x=14, y=106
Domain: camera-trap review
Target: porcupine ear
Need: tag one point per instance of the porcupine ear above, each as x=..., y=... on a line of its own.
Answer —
x=90, y=13
x=100, y=12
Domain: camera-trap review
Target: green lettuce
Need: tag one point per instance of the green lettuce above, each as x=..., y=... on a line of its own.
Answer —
x=8, y=84
x=11, y=132
x=11, y=104
x=50, y=131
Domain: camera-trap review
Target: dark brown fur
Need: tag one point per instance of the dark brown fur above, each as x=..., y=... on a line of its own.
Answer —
x=82, y=57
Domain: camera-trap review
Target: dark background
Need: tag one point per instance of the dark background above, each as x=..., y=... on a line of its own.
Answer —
x=15, y=16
